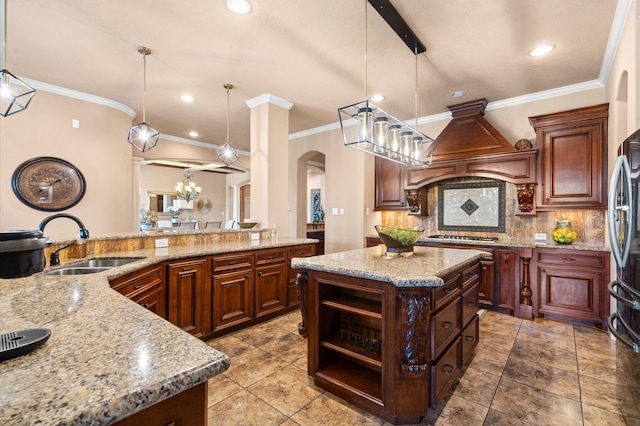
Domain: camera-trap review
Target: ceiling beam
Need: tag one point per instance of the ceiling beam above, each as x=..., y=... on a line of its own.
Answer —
x=395, y=21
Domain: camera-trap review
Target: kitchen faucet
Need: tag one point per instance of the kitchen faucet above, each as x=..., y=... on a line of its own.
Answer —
x=84, y=232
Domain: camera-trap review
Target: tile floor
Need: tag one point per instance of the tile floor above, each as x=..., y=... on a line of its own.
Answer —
x=522, y=372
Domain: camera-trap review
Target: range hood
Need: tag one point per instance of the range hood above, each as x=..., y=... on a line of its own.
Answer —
x=471, y=147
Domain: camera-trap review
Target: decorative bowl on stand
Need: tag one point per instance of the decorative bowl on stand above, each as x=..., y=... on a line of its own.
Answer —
x=247, y=225
x=399, y=240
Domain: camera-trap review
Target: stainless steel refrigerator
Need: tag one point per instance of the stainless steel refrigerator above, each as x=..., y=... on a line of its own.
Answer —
x=624, y=233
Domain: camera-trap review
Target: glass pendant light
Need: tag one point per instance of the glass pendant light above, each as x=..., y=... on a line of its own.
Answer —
x=143, y=136
x=226, y=153
x=15, y=94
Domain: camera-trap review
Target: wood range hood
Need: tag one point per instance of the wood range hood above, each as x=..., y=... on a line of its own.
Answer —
x=470, y=146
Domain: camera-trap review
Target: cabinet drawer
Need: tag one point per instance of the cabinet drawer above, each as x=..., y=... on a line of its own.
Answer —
x=448, y=291
x=230, y=262
x=445, y=326
x=471, y=276
x=572, y=258
x=271, y=256
x=470, y=303
x=139, y=284
x=444, y=372
x=470, y=339
x=302, y=251
x=152, y=301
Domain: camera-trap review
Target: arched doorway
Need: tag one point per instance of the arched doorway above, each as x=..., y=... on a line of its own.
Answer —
x=311, y=196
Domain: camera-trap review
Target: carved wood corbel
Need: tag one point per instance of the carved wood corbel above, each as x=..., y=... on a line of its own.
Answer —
x=302, y=290
x=415, y=330
x=526, y=195
x=417, y=201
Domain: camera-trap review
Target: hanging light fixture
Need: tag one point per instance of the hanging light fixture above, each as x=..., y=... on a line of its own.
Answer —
x=368, y=128
x=187, y=189
x=15, y=94
x=226, y=152
x=143, y=136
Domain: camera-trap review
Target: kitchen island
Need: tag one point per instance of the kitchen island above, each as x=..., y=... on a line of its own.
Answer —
x=390, y=335
x=108, y=358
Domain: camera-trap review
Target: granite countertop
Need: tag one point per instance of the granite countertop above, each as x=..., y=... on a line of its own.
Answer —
x=424, y=269
x=107, y=357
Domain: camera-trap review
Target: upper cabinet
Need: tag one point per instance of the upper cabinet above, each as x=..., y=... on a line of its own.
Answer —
x=389, y=190
x=572, y=164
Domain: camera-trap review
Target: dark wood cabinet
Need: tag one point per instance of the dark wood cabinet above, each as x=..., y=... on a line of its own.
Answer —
x=317, y=235
x=185, y=295
x=145, y=287
x=271, y=281
x=572, y=165
x=572, y=285
x=389, y=185
x=230, y=295
x=297, y=251
x=507, y=269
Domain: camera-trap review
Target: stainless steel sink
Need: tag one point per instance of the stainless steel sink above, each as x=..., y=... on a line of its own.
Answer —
x=77, y=271
x=105, y=262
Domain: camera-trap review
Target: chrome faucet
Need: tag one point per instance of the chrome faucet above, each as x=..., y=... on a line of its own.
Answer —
x=84, y=232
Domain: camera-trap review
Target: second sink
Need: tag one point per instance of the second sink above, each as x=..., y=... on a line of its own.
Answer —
x=105, y=262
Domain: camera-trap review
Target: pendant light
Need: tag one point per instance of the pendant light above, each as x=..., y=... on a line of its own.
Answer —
x=187, y=189
x=143, y=136
x=368, y=128
x=226, y=152
x=15, y=94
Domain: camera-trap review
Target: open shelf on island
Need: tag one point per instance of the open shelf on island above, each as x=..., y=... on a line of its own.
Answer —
x=370, y=359
x=366, y=307
x=355, y=378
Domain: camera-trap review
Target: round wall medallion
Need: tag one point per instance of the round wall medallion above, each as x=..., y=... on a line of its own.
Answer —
x=49, y=184
x=203, y=205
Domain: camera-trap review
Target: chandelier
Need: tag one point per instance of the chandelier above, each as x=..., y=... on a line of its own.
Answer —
x=143, y=136
x=15, y=94
x=226, y=152
x=187, y=189
x=368, y=128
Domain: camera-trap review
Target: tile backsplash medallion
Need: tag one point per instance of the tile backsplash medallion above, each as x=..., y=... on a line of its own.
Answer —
x=589, y=224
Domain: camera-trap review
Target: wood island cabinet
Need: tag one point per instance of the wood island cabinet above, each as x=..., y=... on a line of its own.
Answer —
x=393, y=351
x=185, y=295
x=145, y=287
x=271, y=281
x=389, y=185
x=572, y=165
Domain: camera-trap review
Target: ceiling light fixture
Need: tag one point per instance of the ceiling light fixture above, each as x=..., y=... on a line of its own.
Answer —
x=377, y=98
x=187, y=189
x=376, y=131
x=143, y=136
x=15, y=94
x=193, y=134
x=226, y=152
x=239, y=7
x=187, y=98
x=457, y=93
x=541, y=50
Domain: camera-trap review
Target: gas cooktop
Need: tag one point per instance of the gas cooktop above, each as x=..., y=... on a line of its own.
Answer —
x=464, y=237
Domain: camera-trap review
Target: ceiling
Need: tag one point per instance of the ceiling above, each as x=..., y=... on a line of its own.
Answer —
x=310, y=53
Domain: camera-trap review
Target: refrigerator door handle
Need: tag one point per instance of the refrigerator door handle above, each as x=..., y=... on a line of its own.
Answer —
x=620, y=241
x=634, y=300
x=632, y=339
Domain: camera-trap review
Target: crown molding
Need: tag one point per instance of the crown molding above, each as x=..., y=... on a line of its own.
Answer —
x=271, y=99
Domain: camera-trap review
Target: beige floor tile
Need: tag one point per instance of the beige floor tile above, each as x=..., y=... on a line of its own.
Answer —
x=547, y=325
x=524, y=370
x=602, y=368
x=460, y=411
x=290, y=347
x=608, y=396
x=244, y=409
x=288, y=322
x=496, y=341
x=541, y=337
x=328, y=409
x=252, y=366
x=230, y=345
x=535, y=406
x=503, y=325
x=477, y=386
x=497, y=418
x=260, y=334
x=547, y=354
x=489, y=361
x=594, y=416
x=221, y=387
x=287, y=390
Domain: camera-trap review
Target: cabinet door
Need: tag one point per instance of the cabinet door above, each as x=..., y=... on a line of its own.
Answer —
x=232, y=300
x=270, y=288
x=389, y=185
x=186, y=295
x=571, y=292
x=485, y=291
x=507, y=278
x=573, y=159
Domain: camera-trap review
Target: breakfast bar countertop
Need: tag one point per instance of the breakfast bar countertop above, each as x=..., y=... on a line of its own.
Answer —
x=107, y=356
x=424, y=269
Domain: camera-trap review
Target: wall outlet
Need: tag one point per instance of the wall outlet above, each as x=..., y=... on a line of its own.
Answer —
x=255, y=236
x=540, y=238
x=163, y=242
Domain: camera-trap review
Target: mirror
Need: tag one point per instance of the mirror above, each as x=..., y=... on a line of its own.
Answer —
x=160, y=202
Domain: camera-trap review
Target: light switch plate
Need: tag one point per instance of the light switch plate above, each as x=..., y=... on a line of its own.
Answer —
x=255, y=236
x=163, y=242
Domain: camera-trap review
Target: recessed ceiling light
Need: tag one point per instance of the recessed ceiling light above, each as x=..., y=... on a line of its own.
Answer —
x=187, y=98
x=193, y=134
x=541, y=50
x=377, y=98
x=457, y=93
x=239, y=7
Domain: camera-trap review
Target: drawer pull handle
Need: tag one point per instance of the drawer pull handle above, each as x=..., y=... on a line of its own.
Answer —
x=448, y=290
x=471, y=304
x=246, y=275
x=233, y=263
x=469, y=338
x=568, y=259
x=260, y=273
x=447, y=369
x=270, y=257
x=447, y=325
x=136, y=287
x=145, y=305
